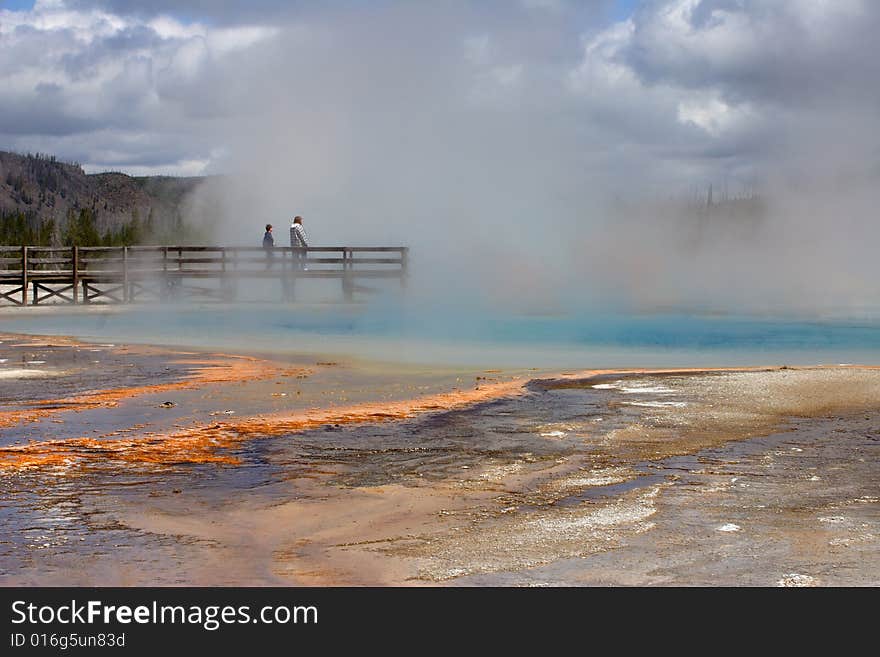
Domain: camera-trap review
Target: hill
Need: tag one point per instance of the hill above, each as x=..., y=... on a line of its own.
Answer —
x=49, y=202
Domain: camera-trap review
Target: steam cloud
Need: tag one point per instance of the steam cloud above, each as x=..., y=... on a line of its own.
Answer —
x=538, y=155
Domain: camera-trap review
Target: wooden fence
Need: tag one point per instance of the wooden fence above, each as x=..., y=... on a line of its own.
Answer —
x=117, y=274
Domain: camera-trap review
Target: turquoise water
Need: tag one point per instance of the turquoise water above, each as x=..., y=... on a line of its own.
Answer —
x=448, y=337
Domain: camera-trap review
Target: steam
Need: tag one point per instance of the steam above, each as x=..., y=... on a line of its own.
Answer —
x=535, y=164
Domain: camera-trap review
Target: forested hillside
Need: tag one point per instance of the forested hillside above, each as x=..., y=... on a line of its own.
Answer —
x=44, y=201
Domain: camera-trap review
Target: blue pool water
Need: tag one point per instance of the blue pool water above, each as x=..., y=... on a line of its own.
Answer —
x=438, y=336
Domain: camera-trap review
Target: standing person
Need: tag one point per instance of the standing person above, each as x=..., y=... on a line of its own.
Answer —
x=268, y=245
x=299, y=240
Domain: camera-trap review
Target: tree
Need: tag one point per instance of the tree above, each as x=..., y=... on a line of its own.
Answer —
x=20, y=228
x=81, y=229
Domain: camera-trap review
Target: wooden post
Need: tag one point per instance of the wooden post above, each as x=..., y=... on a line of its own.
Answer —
x=235, y=277
x=347, y=287
x=224, y=282
x=178, y=287
x=404, y=265
x=165, y=282
x=74, y=272
x=285, y=277
x=296, y=267
x=125, y=291
x=24, y=276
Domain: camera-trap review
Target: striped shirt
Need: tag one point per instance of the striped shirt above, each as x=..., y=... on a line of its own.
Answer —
x=298, y=236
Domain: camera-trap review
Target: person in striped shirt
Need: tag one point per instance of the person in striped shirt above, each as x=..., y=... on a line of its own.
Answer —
x=298, y=239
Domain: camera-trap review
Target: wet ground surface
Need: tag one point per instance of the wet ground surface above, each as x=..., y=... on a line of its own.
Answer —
x=108, y=391
x=682, y=479
x=66, y=517
x=796, y=508
x=31, y=369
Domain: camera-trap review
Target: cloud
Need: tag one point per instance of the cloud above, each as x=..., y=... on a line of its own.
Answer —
x=216, y=11
x=676, y=84
x=790, y=51
x=504, y=128
x=68, y=73
x=750, y=78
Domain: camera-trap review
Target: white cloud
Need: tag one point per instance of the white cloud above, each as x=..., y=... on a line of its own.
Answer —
x=600, y=66
x=180, y=168
x=547, y=5
x=53, y=16
x=477, y=49
x=709, y=112
x=67, y=72
x=167, y=27
x=681, y=89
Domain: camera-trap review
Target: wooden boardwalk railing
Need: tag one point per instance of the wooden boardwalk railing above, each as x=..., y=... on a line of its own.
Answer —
x=117, y=274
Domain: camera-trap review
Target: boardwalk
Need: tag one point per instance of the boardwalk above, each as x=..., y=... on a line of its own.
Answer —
x=31, y=275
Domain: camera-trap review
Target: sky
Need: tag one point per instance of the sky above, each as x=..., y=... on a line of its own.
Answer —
x=691, y=90
x=511, y=122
